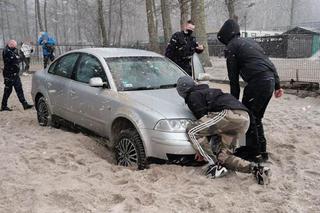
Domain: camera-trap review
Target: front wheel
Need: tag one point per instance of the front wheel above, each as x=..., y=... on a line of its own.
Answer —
x=44, y=115
x=129, y=149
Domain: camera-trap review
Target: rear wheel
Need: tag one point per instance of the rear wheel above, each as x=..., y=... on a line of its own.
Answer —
x=129, y=149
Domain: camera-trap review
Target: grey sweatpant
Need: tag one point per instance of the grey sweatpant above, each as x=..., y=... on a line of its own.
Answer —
x=229, y=124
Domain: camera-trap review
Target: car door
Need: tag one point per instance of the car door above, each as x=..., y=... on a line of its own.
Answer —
x=58, y=80
x=89, y=105
x=197, y=68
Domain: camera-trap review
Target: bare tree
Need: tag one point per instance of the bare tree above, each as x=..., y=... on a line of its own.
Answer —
x=78, y=21
x=198, y=16
x=8, y=21
x=166, y=20
x=293, y=3
x=121, y=21
x=111, y=2
x=37, y=4
x=2, y=22
x=184, y=11
x=230, y=7
x=26, y=16
x=153, y=35
x=101, y=23
x=45, y=16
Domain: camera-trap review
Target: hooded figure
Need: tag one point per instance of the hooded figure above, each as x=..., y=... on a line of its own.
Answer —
x=48, y=46
x=247, y=59
x=220, y=114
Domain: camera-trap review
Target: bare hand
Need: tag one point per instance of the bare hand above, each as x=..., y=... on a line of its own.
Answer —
x=278, y=93
x=200, y=47
x=198, y=157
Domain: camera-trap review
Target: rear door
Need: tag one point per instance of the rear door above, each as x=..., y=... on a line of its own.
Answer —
x=58, y=80
x=89, y=106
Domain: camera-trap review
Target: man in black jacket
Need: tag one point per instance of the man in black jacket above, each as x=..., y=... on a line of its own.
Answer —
x=11, y=77
x=218, y=113
x=182, y=46
x=247, y=59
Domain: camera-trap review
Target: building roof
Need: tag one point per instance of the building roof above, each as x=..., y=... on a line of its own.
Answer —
x=303, y=30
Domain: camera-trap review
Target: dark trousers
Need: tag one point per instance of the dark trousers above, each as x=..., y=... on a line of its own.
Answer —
x=256, y=97
x=46, y=59
x=27, y=64
x=10, y=83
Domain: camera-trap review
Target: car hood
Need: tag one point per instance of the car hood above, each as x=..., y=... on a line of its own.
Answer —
x=167, y=102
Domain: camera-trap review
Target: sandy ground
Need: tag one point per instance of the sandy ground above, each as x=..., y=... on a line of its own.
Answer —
x=52, y=170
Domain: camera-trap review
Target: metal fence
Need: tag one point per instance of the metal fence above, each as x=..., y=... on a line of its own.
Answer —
x=304, y=68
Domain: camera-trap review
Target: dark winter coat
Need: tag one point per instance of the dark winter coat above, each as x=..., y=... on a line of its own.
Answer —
x=201, y=99
x=181, y=48
x=245, y=58
x=11, y=60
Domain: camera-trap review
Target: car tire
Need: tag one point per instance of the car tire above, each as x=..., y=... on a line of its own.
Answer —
x=44, y=115
x=129, y=149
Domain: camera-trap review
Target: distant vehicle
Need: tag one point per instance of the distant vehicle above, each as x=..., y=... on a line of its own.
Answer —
x=127, y=96
x=259, y=33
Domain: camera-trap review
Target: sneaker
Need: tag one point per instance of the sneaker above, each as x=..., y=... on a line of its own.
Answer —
x=27, y=106
x=25, y=74
x=5, y=109
x=262, y=174
x=215, y=171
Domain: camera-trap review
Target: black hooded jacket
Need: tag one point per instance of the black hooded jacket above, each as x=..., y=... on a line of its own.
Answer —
x=201, y=99
x=245, y=57
x=11, y=62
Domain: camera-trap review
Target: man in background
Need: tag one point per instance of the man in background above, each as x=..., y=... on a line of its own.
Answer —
x=182, y=46
x=26, y=50
x=48, y=46
x=11, y=60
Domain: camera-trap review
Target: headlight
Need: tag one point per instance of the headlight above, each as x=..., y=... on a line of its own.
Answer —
x=174, y=125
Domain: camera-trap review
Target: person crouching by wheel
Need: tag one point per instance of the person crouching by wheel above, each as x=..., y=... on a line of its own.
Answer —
x=222, y=114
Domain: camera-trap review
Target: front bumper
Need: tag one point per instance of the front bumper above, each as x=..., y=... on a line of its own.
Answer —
x=158, y=144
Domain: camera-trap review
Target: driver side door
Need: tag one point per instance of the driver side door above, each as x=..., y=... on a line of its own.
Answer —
x=89, y=105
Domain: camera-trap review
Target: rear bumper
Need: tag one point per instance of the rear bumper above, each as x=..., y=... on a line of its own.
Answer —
x=159, y=144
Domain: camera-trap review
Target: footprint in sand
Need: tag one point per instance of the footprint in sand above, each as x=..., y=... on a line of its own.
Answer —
x=117, y=198
x=315, y=173
x=145, y=199
x=121, y=182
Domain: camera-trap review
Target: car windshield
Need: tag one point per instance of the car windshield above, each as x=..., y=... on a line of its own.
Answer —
x=143, y=73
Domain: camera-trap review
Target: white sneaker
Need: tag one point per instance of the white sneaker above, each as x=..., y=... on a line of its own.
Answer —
x=25, y=74
x=215, y=171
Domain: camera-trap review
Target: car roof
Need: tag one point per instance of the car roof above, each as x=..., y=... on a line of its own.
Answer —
x=118, y=52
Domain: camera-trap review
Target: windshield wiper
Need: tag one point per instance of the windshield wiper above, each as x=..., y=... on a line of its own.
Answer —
x=168, y=86
x=139, y=88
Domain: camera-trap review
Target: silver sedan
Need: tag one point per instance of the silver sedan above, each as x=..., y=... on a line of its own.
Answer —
x=124, y=95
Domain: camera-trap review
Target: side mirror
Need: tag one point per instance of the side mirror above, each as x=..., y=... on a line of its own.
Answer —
x=96, y=82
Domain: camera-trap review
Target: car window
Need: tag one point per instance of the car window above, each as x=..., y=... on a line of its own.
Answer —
x=138, y=73
x=89, y=67
x=65, y=65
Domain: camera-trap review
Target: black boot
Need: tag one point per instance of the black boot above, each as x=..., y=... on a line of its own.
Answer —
x=27, y=106
x=5, y=108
